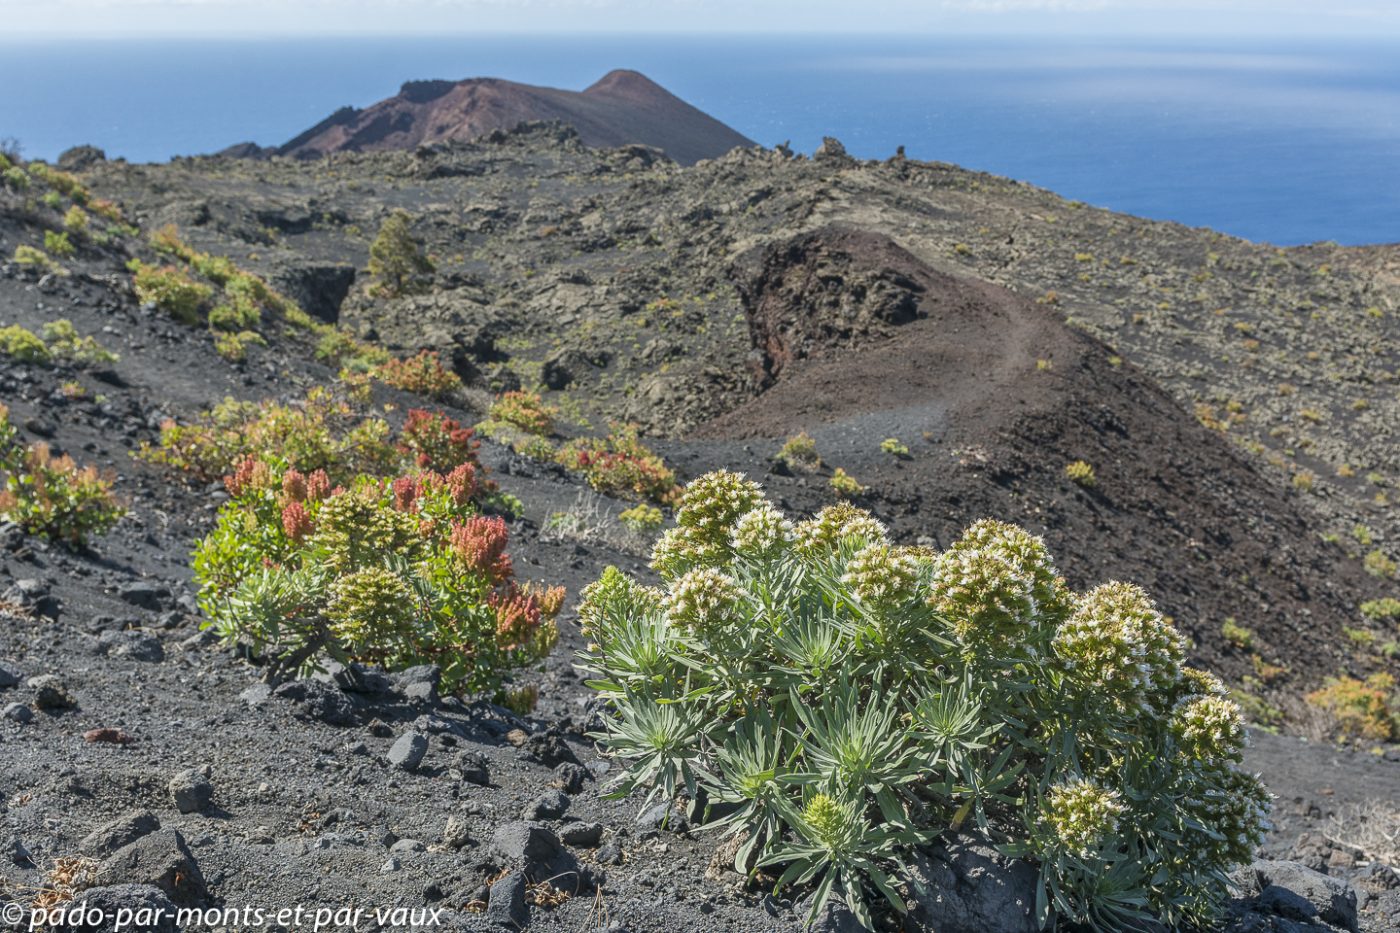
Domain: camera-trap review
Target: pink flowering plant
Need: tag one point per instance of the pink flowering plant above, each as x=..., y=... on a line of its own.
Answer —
x=394, y=572
x=836, y=701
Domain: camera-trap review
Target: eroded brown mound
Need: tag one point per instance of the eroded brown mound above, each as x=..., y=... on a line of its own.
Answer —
x=858, y=341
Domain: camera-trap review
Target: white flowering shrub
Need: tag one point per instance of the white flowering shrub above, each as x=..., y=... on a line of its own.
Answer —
x=836, y=701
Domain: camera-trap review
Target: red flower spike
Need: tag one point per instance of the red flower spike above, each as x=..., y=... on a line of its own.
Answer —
x=296, y=522
x=318, y=484
x=294, y=486
x=481, y=544
x=405, y=492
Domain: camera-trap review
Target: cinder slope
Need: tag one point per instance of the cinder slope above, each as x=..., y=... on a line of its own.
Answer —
x=859, y=341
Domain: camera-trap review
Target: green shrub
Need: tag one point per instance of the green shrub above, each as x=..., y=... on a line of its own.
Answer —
x=1379, y=564
x=233, y=318
x=1381, y=609
x=246, y=297
x=62, y=183
x=23, y=345
x=423, y=374
x=15, y=178
x=1363, y=709
x=338, y=348
x=642, y=518
x=57, y=244
x=799, y=453
x=245, y=291
x=234, y=347
x=52, y=496
x=323, y=431
x=433, y=441
x=1237, y=634
x=397, y=262
x=392, y=573
x=172, y=291
x=895, y=447
x=76, y=220
x=1081, y=473
x=65, y=343
x=327, y=430
x=621, y=465
x=107, y=210
x=844, y=484
x=523, y=410
x=842, y=700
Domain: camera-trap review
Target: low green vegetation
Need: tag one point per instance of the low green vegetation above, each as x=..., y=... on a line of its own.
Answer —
x=1237, y=635
x=617, y=464
x=58, y=244
x=1081, y=473
x=52, y=496
x=799, y=453
x=238, y=307
x=326, y=430
x=1381, y=609
x=840, y=700
x=642, y=518
x=1362, y=709
x=1379, y=564
x=65, y=343
x=895, y=447
x=525, y=411
x=26, y=255
x=423, y=374
x=844, y=484
x=60, y=341
x=23, y=345
x=172, y=291
x=621, y=465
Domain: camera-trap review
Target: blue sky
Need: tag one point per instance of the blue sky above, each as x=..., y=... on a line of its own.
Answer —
x=1370, y=19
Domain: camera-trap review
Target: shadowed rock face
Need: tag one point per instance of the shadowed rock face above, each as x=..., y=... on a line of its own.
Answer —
x=623, y=108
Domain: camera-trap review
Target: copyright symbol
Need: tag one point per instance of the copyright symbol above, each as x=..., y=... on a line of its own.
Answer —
x=12, y=912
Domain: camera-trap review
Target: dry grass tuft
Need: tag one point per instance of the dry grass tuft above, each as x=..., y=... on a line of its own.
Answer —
x=69, y=875
x=1372, y=827
x=544, y=894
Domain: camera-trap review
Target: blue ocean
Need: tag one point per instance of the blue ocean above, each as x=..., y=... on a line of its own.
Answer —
x=1284, y=143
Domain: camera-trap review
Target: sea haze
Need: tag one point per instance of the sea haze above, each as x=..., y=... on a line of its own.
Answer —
x=1280, y=143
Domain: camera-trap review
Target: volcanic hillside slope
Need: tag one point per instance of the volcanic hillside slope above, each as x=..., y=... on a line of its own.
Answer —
x=718, y=305
x=621, y=108
x=994, y=396
x=627, y=286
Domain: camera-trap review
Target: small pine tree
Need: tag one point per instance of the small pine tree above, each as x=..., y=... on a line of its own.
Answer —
x=396, y=258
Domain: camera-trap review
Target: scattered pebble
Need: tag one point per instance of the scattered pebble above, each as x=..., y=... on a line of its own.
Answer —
x=408, y=750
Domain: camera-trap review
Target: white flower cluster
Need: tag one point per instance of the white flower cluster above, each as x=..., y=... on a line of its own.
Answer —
x=1117, y=644
x=703, y=599
x=879, y=574
x=1083, y=814
x=612, y=597
x=996, y=583
x=763, y=533
x=1208, y=728
x=838, y=524
x=712, y=504
x=1235, y=806
x=678, y=550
